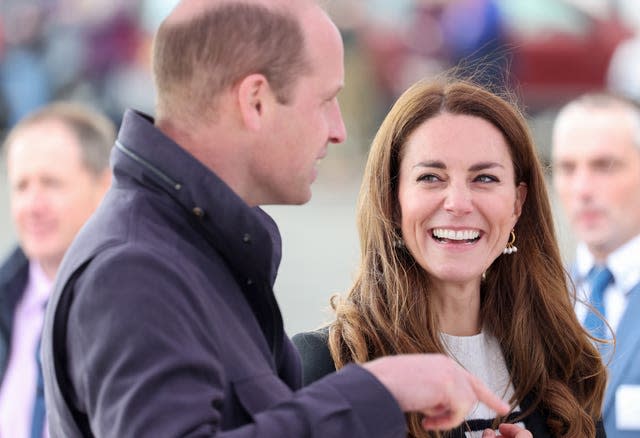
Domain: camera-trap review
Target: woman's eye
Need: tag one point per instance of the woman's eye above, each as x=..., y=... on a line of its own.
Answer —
x=486, y=178
x=428, y=177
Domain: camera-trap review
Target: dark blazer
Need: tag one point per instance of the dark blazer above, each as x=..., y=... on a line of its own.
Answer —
x=317, y=362
x=163, y=321
x=14, y=275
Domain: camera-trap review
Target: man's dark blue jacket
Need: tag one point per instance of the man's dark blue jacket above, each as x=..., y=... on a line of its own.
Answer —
x=163, y=321
x=14, y=275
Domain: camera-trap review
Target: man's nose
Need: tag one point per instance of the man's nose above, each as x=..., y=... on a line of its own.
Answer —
x=338, y=132
x=582, y=182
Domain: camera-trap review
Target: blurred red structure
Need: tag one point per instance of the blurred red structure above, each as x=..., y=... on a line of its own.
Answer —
x=548, y=51
x=559, y=54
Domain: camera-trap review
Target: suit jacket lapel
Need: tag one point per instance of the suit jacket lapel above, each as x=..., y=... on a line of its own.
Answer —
x=627, y=345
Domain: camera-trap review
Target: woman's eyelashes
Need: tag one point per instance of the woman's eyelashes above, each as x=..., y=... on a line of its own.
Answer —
x=429, y=178
x=485, y=178
x=432, y=178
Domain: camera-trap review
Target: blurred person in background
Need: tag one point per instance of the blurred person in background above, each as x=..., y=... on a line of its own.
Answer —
x=24, y=81
x=89, y=51
x=475, y=40
x=58, y=171
x=623, y=75
x=596, y=173
x=411, y=39
x=452, y=185
x=163, y=321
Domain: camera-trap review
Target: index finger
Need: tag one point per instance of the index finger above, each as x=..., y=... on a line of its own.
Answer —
x=513, y=430
x=486, y=396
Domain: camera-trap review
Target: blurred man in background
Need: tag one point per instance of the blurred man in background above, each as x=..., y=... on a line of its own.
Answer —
x=58, y=171
x=596, y=172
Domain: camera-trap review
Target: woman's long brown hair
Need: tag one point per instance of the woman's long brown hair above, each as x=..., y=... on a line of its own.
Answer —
x=526, y=299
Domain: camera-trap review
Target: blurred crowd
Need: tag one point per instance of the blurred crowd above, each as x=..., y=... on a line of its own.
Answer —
x=97, y=51
x=94, y=51
x=551, y=50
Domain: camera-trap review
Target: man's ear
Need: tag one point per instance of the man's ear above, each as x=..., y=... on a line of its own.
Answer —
x=253, y=94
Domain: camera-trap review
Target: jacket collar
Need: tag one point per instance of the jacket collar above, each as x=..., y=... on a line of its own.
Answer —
x=244, y=235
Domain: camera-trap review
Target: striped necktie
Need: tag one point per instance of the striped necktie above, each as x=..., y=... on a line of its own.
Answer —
x=599, y=278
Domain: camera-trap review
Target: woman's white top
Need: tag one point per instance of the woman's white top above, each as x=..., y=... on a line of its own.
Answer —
x=481, y=355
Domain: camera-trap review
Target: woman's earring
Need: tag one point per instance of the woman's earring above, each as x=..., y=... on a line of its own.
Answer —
x=511, y=248
x=398, y=243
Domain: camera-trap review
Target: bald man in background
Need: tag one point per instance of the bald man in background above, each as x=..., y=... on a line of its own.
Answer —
x=596, y=172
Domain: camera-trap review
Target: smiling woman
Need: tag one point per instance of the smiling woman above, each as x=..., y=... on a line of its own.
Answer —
x=459, y=202
x=452, y=184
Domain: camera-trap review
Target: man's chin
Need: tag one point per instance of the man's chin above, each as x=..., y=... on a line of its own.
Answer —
x=591, y=231
x=42, y=254
x=289, y=199
x=300, y=198
x=599, y=244
x=300, y=201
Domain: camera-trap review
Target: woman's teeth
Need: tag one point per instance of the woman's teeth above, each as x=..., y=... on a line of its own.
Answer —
x=460, y=235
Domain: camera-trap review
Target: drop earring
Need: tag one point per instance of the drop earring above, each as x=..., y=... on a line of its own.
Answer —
x=511, y=248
